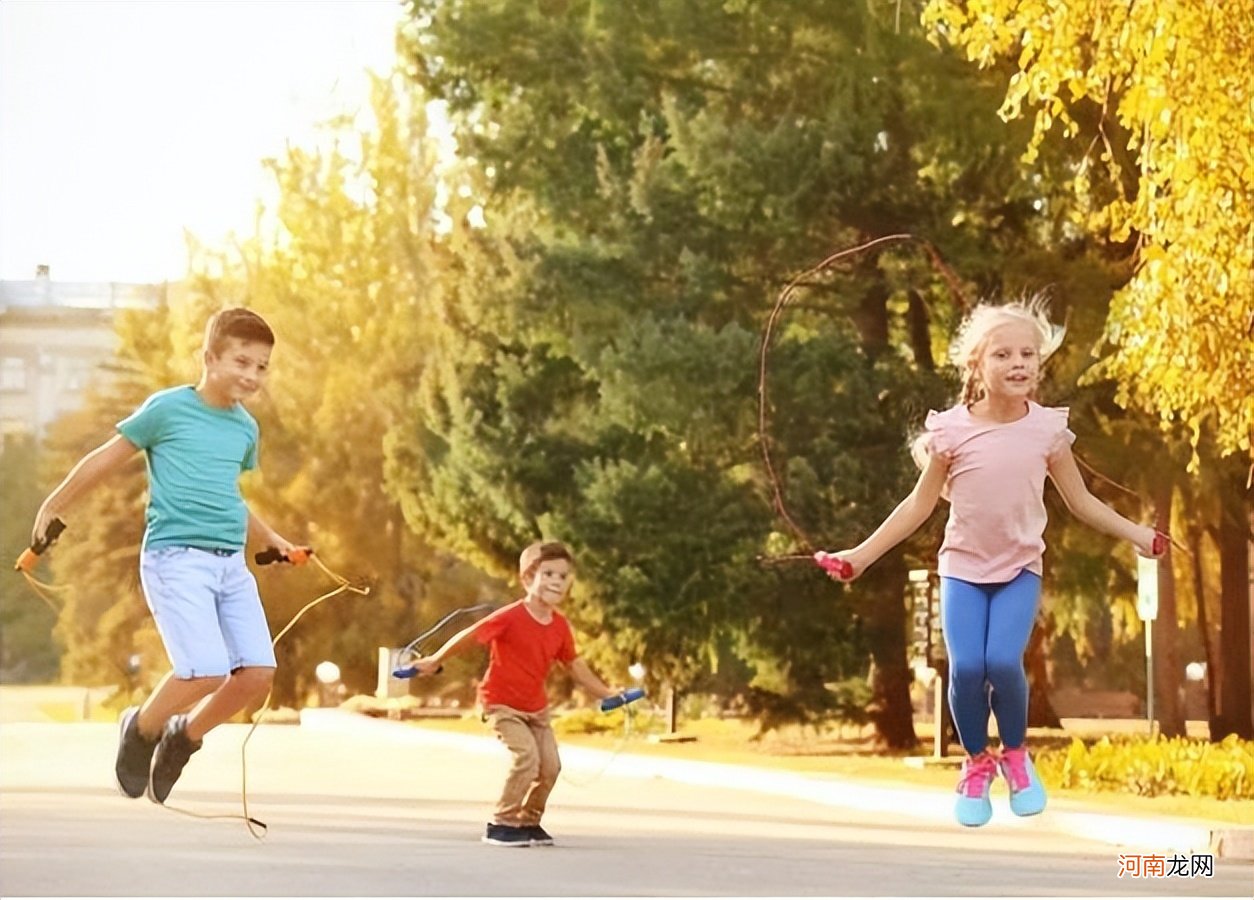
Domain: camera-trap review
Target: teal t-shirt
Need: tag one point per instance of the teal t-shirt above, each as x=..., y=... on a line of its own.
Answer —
x=195, y=455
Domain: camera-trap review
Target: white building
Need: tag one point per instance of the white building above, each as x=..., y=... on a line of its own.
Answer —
x=54, y=336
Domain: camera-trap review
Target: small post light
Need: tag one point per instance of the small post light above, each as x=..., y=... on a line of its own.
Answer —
x=327, y=672
x=328, y=675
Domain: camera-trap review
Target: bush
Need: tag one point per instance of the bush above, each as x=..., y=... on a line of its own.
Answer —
x=851, y=700
x=590, y=720
x=1154, y=767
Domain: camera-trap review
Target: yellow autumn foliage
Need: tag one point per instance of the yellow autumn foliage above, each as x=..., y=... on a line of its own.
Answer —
x=1178, y=77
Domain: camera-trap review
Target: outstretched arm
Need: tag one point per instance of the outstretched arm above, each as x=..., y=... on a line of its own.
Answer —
x=1091, y=511
x=429, y=665
x=903, y=521
x=92, y=469
x=587, y=679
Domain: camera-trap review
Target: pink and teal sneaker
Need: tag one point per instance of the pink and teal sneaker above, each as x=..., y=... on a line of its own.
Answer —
x=972, y=808
x=1027, y=794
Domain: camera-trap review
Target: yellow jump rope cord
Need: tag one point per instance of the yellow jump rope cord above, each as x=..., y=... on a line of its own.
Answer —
x=46, y=592
x=343, y=586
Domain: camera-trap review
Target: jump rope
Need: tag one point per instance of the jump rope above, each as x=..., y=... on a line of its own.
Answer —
x=29, y=557
x=834, y=566
x=408, y=655
x=413, y=651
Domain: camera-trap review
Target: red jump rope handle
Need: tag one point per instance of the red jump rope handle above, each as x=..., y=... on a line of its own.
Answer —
x=834, y=565
x=1161, y=542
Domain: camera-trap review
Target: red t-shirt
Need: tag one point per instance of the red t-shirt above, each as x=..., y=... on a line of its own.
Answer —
x=522, y=651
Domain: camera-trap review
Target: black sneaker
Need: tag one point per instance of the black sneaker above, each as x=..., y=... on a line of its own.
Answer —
x=507, y=836
x=173, y=752
x=134, y=755
x=537, y=836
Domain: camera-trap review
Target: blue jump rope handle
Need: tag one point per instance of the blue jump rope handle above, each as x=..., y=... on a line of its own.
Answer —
x=631, y=695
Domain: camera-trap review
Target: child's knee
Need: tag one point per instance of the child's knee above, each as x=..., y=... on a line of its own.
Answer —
x=253, y=680
x=207, y=683
x=527, y=762
x=967, y=672
x=1005, y=672
x=549, y=772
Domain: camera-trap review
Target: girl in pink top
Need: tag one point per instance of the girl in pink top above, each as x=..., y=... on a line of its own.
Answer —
x=988, y=456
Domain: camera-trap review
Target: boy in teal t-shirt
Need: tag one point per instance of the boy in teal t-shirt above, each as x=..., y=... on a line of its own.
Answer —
x=197, y=441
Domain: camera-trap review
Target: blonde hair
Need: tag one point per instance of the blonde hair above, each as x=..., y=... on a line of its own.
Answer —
x=973, y=334
x=968, y=345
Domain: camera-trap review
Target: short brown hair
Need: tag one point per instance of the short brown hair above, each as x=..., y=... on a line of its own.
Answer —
x=541, y=552
x=237, y=322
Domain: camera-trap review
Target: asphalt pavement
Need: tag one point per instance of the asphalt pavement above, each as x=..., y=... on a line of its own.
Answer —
x=364, y=807
x=931, y=805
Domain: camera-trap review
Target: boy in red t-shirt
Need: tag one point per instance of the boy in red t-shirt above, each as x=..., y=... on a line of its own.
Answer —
x=525, y=638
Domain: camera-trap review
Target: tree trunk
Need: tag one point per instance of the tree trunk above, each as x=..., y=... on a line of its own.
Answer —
x=920, y=334
x=890, y=709
x=1203, y=627
x=1166, y=628
x=1041, y=712
x=1235, y=716
x=871, y=318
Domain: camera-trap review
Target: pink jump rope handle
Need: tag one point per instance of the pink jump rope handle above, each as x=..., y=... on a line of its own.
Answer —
x=834, y=565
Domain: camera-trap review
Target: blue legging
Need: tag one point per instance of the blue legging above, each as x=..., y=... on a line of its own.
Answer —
x=986, y=628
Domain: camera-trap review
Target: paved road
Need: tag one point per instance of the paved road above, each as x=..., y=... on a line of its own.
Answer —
x=362, y=814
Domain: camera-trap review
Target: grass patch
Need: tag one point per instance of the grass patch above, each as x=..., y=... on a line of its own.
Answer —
x=73, y=712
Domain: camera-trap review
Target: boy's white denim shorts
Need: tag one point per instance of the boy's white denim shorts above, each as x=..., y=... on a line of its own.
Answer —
x=207, y=609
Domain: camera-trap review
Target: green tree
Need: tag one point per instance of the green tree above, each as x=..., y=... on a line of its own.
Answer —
x=344, y=274
x=347, y=271
x=637, y=228
x=27, y=653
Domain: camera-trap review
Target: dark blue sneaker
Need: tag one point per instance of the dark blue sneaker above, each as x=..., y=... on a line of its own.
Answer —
x=506, y=836
x=537, y=836
x=134, y=755
x=173, y=751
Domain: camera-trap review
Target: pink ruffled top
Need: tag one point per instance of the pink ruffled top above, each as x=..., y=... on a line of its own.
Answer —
x=995, y=489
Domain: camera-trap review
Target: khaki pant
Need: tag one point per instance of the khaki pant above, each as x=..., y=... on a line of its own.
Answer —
x=535, y=767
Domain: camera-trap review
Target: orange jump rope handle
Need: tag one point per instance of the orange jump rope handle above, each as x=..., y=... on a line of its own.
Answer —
x=297, y=557
x=31, y=554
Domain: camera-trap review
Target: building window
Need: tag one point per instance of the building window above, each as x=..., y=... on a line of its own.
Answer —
x=79, y=375
x=12, y=373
